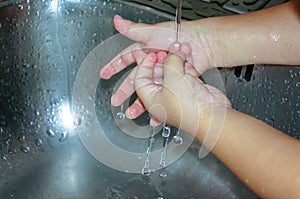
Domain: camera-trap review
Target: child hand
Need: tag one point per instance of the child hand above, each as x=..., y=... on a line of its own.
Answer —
x=173, y=95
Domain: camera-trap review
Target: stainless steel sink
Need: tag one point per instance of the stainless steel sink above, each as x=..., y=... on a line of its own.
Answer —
x=43, y=44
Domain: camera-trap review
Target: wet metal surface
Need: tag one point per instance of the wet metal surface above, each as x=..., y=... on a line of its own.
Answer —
x=195, y=9
x=42, y=45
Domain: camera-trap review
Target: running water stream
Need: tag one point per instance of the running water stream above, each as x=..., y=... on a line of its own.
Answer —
x=166, y=130
x=178, y=18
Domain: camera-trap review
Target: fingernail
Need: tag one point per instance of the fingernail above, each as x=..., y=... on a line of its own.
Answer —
x=175, y=47
x=151, y=58
x=131, y=113
x=118, y=98
x=161, y=57
x=121, y=26
x=186, y=48
x=115, y=101
x=118, y=17
x=108, y=72
x=105, y=74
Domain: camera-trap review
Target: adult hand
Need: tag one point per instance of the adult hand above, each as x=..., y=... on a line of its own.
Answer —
x=152, y=38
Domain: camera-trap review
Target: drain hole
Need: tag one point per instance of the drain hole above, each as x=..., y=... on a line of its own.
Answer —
x=238, y=71
x=248, y=73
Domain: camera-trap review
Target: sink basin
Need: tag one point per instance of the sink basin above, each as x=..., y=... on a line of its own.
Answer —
x=43, y=45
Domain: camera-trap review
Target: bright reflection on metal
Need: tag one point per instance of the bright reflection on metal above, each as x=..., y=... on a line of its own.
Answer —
x=66, y=116
x=54, y=5
x=73, y=1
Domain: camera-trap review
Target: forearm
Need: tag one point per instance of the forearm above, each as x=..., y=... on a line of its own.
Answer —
x=265, y=159
x=270, y=36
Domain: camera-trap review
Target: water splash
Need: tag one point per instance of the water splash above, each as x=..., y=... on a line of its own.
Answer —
x=166, y=131
x=121, y=115
x=177, y=139
x=38, y=142
x=146, y=169
x=51, y=133
x=25, y=149
x=63, y=136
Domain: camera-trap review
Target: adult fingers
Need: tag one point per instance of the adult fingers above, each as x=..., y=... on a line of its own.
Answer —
x=135, y=110
x=125, y=90
x=139, y=32
x=154, y=122
x=130, y=55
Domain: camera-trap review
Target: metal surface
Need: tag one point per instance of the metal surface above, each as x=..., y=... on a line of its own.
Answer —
x=195, y=9
x=42, y=45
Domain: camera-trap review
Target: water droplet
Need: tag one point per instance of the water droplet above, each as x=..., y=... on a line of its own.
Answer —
x=38, y=142
x=298, y=112
x=272, y=81
x=275, y=37
x=163, y=174
x=72, y=57
x=63, y=136
x=146, y=171
x=21, y=138
x=50, y=133
x=160, y=197
x=270, y=121
x=298, y=84
x=76, y=120
x=152, y=139
x=3, y=157
x=177, y=140
x=20, y=6
x=286, y=81
x=10, y=151
x=284, y=99
x=120, y=116
x=162, y=162
x=25, y=149
x=166, y=132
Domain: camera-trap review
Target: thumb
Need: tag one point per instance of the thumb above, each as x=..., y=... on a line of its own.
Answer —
x=174, y=64
x=125, y=27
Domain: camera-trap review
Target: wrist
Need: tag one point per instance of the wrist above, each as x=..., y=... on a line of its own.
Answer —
x=198, y=34
x=229, y=44
x=212, y=122
x=212, y=41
